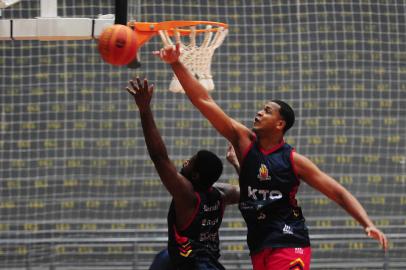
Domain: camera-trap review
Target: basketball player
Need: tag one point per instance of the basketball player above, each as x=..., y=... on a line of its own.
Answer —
x=197, y=207
x=270, y=175
x=162, y=261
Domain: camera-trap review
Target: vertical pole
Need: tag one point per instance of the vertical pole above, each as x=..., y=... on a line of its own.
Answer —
x=121, y=12
x=135, y=252
x=27, y=258
x=386, y=260
x=121, y=18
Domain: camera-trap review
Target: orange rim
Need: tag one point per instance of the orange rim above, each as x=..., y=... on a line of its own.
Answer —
x=144, y=31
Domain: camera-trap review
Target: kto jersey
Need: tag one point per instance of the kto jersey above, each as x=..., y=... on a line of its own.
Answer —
x=198, y=242
x=268, y=185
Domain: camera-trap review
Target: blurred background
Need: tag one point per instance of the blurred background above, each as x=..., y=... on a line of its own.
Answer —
x=78, y=189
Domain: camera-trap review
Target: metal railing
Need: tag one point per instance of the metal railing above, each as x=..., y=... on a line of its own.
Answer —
x=136, y=253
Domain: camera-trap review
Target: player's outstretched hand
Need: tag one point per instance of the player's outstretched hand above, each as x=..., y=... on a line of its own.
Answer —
x=141, y=91
x=169, y=54
x=375, y=233
x=232, y=157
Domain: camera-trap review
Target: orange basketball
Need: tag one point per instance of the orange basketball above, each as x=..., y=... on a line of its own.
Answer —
x=117, y=45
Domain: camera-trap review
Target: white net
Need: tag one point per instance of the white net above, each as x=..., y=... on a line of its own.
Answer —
x=74, y=167
x=196, y=57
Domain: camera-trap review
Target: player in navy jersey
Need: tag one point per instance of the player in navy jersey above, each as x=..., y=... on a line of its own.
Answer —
x=270, y=174
x=196, y=210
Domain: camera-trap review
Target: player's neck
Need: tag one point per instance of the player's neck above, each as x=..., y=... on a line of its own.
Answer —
x=268, y=142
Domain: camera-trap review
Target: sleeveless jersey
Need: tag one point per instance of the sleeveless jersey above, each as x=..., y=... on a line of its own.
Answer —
x=200, y=239
x=268, y=185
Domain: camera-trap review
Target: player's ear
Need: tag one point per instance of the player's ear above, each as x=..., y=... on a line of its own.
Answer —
x=195, y=176
x=281, y=124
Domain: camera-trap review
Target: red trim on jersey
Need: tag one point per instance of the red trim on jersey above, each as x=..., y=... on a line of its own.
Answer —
x=192, y=217
x=293, y=163
x=273, y=149
x=245, y=153
x=179, y=238
x=292, y=193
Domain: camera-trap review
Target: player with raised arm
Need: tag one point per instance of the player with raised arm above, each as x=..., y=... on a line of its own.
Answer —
x=197, y=207
x=270, y=175
x=162, y=260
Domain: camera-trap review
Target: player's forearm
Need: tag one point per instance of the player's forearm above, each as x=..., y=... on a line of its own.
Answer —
x=193, y=88
x=155, y=144
x=354, y=208
x=199, y=97
x=236, y=166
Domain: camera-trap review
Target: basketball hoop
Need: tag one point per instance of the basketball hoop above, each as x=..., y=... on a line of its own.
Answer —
x=196, y=58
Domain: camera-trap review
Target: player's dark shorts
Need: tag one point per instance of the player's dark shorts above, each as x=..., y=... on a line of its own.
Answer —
x=282, y=259
x=162, y=261
x=202, y=263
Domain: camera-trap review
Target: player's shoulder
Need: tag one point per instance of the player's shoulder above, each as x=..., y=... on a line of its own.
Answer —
x=301, y=160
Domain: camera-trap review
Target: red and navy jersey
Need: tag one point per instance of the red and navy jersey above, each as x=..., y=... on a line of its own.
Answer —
x=268, y=185
x=200, y=237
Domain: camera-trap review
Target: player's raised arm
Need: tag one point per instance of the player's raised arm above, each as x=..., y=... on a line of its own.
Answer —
x=319, y=180
x=180, y=188
x=231, y=157
x=231, y=193
x=239, y=135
